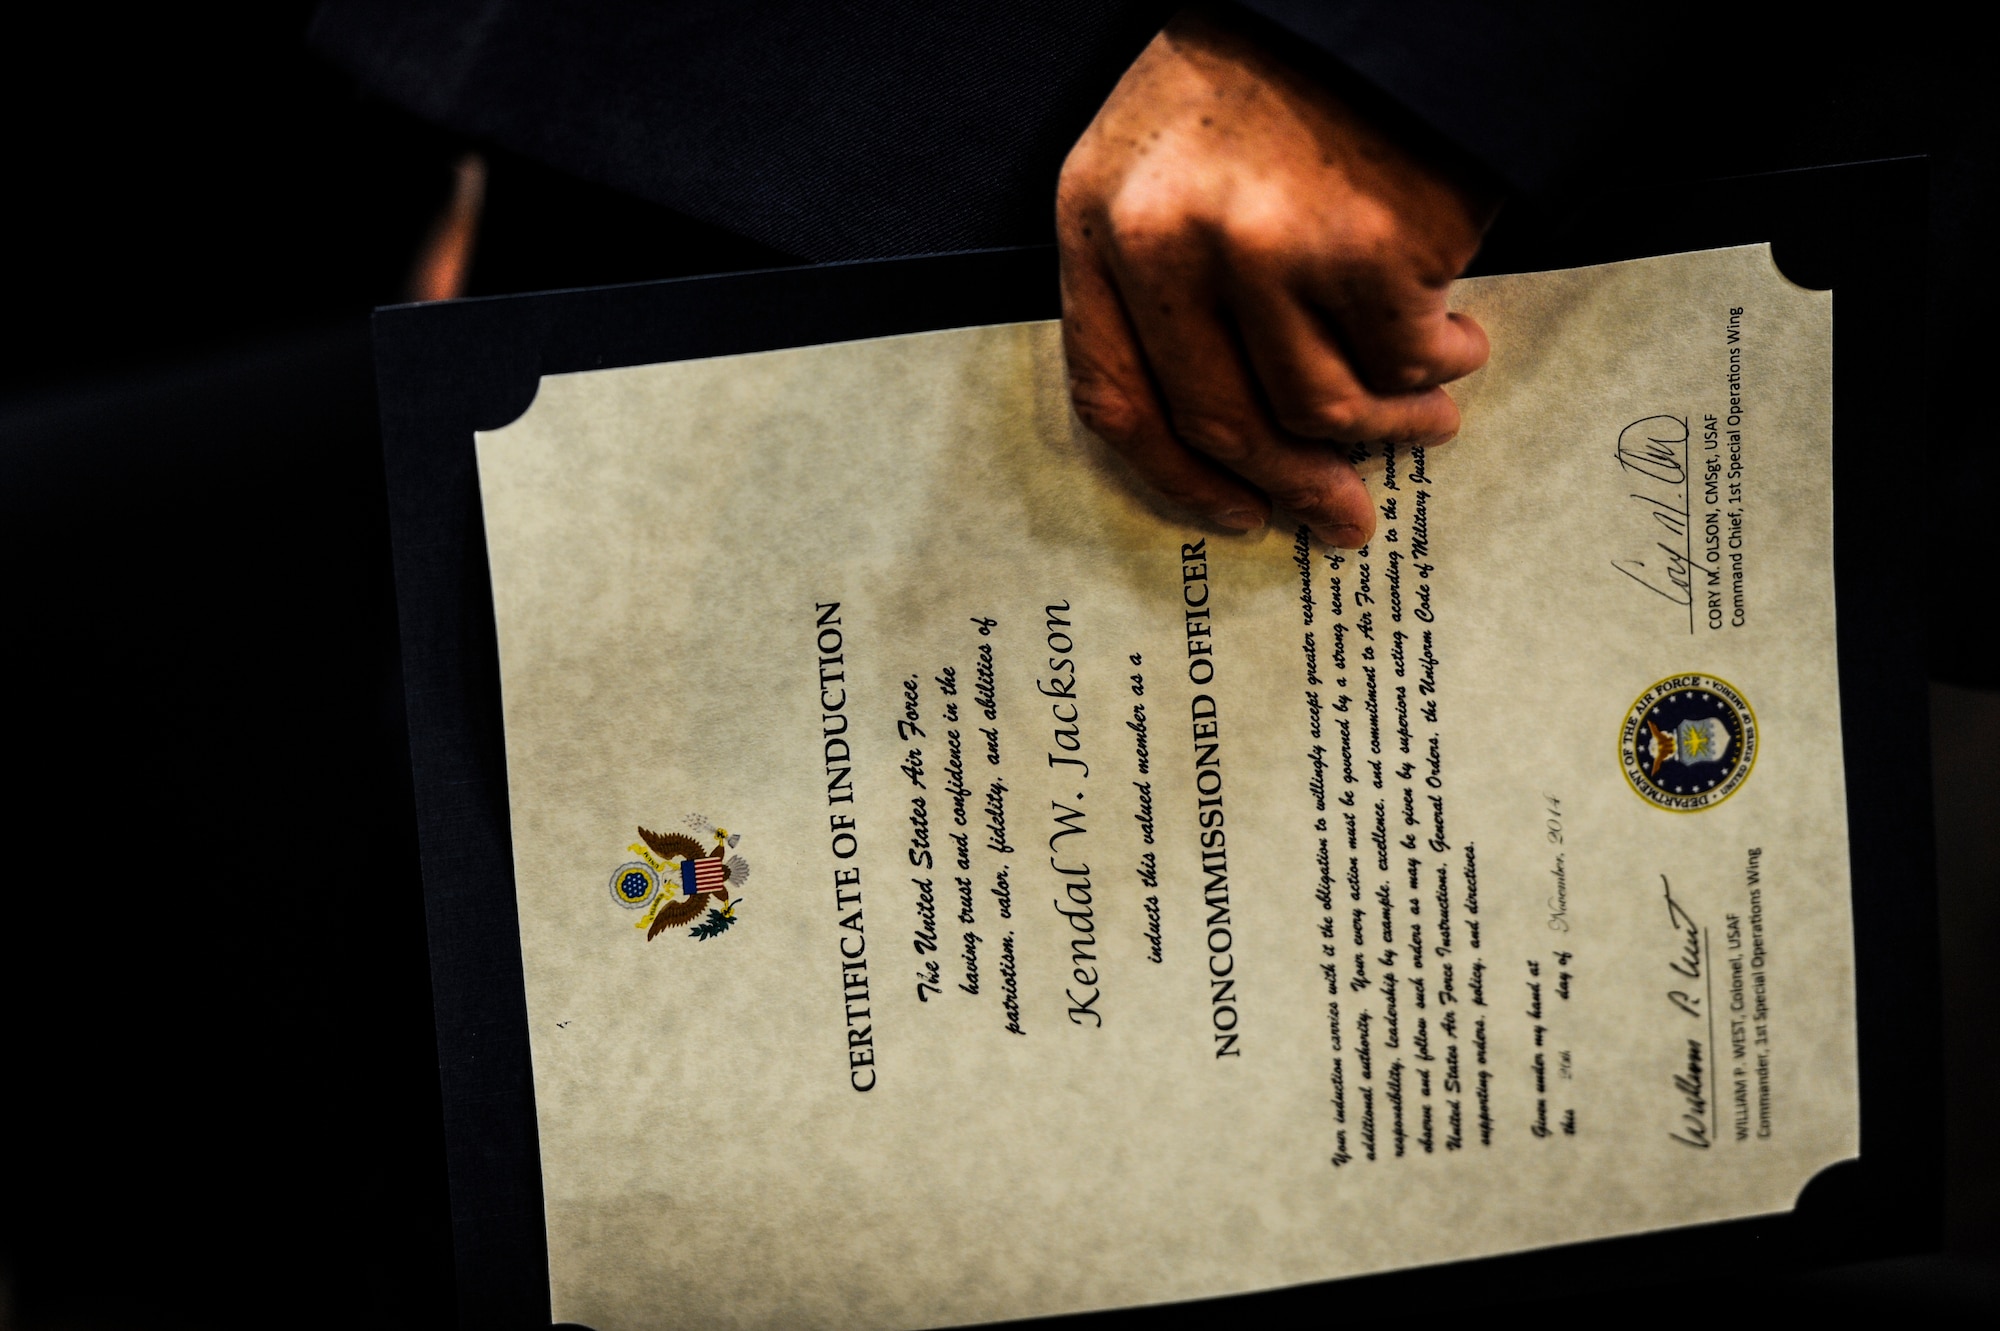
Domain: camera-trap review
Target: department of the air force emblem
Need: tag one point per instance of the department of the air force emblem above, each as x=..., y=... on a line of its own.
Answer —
x=676, y=880
x=1688, y=743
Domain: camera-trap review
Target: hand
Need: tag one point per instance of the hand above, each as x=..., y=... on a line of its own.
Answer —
x=1251, y=276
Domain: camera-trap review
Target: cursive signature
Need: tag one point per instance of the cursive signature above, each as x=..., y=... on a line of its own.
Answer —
x=1693, y=1086
x=1688, y=962
x=1655, y=448
x=1653, y=452
x=1691, y=1078
x=1672, y=578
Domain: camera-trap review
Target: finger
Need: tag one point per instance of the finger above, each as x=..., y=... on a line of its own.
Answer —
x=1114, y=398
x=1397, y=329
x=1312, y=389
x=1213, y=405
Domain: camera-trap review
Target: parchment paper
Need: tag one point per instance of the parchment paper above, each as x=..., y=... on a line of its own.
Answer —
x=707, y=572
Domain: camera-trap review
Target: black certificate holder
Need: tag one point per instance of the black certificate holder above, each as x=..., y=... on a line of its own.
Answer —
x=447, y=370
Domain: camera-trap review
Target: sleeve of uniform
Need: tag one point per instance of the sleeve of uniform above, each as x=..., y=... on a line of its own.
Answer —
x=1526, y=90
x=828, y=129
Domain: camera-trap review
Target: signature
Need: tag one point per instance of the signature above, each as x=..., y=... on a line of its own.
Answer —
x=1672, y=578
x=1693, y=1088
x=1688, y=962
x=1691, y=1079
x=1653, y=452
x=1655, y=448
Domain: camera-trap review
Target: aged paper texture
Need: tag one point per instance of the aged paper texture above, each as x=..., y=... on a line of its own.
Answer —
x=951, y=889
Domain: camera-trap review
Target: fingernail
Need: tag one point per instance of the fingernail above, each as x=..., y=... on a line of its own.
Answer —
x=1241, y=519
x=1346, y=536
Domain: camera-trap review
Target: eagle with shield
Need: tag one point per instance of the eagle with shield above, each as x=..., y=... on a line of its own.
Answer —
x=683, y=881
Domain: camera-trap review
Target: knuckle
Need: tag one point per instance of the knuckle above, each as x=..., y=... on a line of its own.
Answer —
x=1370, y=232
x=1344, y=418
x=1259, y=236
x=1106, y=410
x=1223, y=438
x=1405, y=373
x=1077, y=187
x=1145, y=218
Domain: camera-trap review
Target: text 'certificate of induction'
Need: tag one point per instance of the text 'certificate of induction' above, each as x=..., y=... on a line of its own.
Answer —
x=951, y=889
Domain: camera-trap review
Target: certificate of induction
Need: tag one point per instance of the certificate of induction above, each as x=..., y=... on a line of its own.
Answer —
x=952, y=888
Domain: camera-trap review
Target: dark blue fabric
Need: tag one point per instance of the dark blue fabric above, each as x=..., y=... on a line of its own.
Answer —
x=1526, y=90
x=855, y=129
x=826, y=130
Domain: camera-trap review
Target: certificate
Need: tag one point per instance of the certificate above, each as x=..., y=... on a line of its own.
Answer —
x=952, y=888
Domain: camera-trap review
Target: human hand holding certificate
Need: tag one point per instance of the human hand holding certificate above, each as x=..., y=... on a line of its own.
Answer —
x=950, y=889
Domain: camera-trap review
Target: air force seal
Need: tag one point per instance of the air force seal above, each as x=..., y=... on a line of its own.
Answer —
x=1688, y=743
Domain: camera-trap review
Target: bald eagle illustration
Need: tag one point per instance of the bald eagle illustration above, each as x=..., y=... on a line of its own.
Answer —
x=703, y=878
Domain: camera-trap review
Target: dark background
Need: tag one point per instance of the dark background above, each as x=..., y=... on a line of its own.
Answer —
x=219, y=1070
